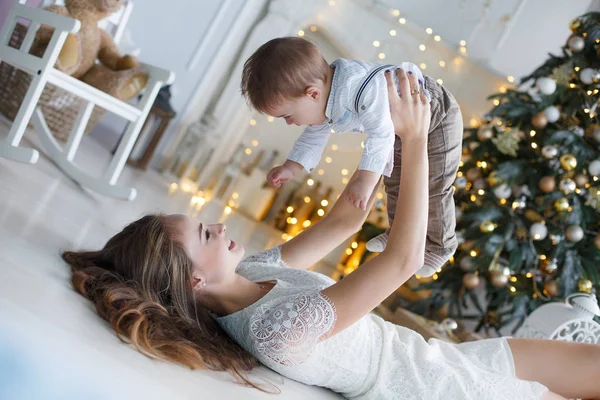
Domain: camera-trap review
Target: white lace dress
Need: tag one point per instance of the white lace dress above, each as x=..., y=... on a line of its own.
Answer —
x=287, y=330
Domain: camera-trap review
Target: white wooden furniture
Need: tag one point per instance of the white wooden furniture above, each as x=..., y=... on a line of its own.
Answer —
x=43, y=72
x=571, y=321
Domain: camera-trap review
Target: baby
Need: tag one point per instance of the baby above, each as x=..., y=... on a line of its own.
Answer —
x=289, y=78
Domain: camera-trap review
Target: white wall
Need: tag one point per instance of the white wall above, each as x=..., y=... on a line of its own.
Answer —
x=532, y=28
x=168, y=34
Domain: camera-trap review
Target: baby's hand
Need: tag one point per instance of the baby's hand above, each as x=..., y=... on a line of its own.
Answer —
x=358, y=192
x=279, y=175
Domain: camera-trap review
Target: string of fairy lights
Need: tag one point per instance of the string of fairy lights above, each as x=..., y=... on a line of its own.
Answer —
x=398, y=20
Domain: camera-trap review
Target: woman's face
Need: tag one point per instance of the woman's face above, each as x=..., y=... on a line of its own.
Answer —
x=215, y=257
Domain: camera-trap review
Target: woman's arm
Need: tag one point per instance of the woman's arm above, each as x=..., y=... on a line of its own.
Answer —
x=364, y=289
x=320, y=239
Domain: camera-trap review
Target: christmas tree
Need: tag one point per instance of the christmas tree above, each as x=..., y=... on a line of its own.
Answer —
x=528, y=195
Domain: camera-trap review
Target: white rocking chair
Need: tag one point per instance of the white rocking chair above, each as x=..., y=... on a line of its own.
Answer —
x=43, y=71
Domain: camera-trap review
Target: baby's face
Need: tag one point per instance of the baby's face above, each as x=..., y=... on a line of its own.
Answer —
x=306, y=110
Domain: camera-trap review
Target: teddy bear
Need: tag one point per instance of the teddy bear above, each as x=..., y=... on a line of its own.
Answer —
x=119, y=76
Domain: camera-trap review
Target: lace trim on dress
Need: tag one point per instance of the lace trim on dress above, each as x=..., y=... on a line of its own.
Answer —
x=287, y=333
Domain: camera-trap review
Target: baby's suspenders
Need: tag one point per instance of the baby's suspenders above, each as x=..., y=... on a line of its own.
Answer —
x=358, y=106
x=363, y=85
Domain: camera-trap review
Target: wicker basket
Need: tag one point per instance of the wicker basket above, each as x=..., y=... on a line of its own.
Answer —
x=60, y=108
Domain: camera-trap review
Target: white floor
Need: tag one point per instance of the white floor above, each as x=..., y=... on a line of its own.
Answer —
x=52, y=345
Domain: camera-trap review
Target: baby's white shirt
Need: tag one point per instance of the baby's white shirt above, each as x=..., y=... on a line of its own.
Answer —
x=370, y=115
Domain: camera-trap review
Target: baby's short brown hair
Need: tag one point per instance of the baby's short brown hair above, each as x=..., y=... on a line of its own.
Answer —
x=281, y=69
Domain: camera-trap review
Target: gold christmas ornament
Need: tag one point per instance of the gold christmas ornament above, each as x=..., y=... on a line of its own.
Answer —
x=561, y=204
x=574, y=233
x=533, y=216
x=487, y=226
x=552, y=288
x=581, y=180
x=567, y=186
x=498, y=279
x=470, y=281
x=585, y=285
x=547, y=184
x=597, y=241
x=539, y=120
x=568, y=162
x=575, y=25
x=493, y=179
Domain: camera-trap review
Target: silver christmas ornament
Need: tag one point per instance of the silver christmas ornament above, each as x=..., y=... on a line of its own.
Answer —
x=502, y=191
x=552, y=114
x=538, y=231
x=589, y=76
x=594, y=168
x=546, y=85
x=460, y=182
x=567, y=186
x=574, y=233
x=576, y=43
x=549, y=151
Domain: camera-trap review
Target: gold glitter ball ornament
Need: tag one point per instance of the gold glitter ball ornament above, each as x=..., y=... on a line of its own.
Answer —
x=568, y=162
x=470, y=281
x=547, y=184
x=561, y=204
x=498, y=279
x=575, y=25
x=585, y=285
x=539, y=120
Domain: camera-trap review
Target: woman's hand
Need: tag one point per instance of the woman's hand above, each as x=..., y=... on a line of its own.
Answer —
x=409, y=109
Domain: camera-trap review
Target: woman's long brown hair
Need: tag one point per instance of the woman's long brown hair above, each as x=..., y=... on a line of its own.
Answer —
x=140, y=282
